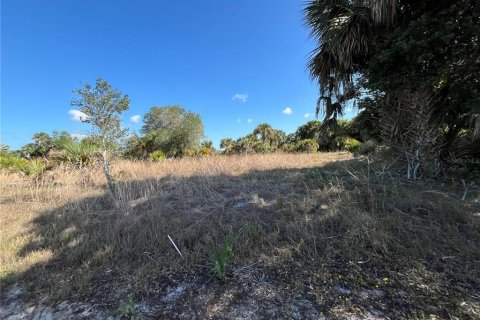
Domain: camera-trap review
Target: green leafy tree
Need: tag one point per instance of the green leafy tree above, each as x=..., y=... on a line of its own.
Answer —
x=42, y=144
x=247, y=144
x=59, y=139
x=171, y=129
x=103, y=107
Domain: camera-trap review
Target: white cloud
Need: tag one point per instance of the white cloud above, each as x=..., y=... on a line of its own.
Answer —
x=78, y=136
x=135, y=119
x=308, y=115
x=249, y=120
x=240, y=96
x=77, y=115
x=288, y=111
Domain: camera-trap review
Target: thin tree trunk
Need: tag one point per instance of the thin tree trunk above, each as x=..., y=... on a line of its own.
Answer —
x=106, y=171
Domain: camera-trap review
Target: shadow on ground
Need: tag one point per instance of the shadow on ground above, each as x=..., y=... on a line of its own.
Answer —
x=338, y=241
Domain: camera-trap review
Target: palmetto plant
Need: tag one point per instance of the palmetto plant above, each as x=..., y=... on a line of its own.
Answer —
x=33, y=168
x=78, y=154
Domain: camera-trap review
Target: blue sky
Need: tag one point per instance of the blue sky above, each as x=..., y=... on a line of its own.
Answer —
x=236, y=63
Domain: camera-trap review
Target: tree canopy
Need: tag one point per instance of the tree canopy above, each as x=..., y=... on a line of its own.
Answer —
x=417, y=60
x=103, y=107
x=171, y=129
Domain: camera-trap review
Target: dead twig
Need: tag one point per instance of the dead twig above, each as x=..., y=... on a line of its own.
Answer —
x=176, y=248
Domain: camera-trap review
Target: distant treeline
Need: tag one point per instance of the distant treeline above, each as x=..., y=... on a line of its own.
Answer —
x=172, y=132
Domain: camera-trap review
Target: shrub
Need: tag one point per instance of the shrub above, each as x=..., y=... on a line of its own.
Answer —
x=33, y=168
x=367, y=147
x=12, y=164
x=289, y=147
x=157, y=156
x=307, y=145
x=260, y=147
x=339, y=143
x=352, y=144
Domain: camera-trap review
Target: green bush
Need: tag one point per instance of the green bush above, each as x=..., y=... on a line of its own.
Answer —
x=339, y=143
x=367, y=147
x=33, y=167
x=157, y=156
x=289, y=147
x=307, y=145
x=352, y=144
x=12, y=164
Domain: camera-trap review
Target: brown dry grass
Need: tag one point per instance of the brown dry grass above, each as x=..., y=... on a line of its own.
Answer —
x=305, y=212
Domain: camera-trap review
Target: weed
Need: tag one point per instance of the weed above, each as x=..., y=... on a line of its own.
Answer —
x=220, y=259
x=126, y=309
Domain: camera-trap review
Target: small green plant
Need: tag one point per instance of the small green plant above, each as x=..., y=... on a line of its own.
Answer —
x=157, y=156
x=220, y=259
x=352, y=144
x=361, y=281
x=126, y=309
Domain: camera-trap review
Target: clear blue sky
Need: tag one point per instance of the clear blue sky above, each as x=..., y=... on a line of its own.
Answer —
x=199, y=54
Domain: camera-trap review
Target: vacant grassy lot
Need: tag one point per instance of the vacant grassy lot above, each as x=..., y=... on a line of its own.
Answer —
x=347, y=236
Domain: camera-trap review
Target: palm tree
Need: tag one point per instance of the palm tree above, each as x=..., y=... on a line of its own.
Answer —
x=278, y=137
x=363, y=43
x=265, y=131
x=345, y=31
x=228, y=145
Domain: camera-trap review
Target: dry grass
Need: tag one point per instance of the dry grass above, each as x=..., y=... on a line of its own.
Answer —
x=306, y=213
